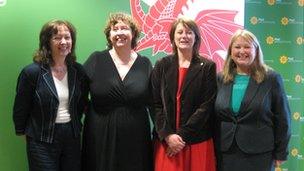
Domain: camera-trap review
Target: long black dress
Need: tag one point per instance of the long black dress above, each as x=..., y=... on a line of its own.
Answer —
x=117, y=128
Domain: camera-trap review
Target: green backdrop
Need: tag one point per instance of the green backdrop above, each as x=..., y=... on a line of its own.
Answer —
x=278, y=25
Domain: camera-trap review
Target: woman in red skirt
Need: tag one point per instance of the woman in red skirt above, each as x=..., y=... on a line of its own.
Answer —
x=184, y=89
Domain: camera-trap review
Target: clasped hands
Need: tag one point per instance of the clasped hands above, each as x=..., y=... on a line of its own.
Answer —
x=175, y=144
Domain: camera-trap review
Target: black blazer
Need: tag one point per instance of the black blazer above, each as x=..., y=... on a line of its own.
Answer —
x=36, y=101
x=263, y=122
x=197, y=98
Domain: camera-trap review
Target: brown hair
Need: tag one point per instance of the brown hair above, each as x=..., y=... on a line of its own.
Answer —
x=258, y=68
x=43, y=54
x=192, y=26
x=126, y=18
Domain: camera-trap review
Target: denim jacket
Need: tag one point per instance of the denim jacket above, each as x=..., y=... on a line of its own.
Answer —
x=36, y=101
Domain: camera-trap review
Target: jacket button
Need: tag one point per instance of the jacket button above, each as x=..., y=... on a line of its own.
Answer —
x=182, y=102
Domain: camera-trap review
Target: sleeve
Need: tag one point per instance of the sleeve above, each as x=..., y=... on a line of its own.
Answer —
x=160, y=119
x=89, y=65
x=84, y=100
x=150, y=100
x=204, y=113
x=23, y=103
x=281, y=111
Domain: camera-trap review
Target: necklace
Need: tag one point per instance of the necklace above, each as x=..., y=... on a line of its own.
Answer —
x=118, y=61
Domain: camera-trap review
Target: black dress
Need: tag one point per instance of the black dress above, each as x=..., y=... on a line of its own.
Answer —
x=117, y=128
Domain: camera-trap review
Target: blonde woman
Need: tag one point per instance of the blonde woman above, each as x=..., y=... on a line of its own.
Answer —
x=251, y=108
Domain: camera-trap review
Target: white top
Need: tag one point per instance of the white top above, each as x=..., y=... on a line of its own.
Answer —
x=63, y=115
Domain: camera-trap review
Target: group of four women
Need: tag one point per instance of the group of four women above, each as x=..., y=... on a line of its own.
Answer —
x=238, y=120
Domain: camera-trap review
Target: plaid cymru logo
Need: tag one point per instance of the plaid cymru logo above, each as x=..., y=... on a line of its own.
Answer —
x=294, y=152
x=254, y=20
x=300, y=40
x=284, y=21
x=296, y=116
x=298, y=78
x=269, y=40
x=271, y=2
x=283, y=59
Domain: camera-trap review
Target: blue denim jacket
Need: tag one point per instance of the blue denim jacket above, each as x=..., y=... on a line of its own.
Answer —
x=36, y=101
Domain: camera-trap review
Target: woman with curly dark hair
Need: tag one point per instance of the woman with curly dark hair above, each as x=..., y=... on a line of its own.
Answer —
x=117, y=130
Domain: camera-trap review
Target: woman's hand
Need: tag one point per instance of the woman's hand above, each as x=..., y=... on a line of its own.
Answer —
x=277, y=163
x=175, y=144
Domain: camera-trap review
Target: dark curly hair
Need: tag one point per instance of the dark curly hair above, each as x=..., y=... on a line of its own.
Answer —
x=126, y=18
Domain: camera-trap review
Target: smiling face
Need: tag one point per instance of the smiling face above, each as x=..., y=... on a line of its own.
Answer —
x=243, y=54
x=61, y=42
x=121, y=35
x=184, y=38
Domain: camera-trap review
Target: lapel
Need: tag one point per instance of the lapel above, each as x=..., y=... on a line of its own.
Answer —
x=171, y=75
x=194, y=68
x=48, y=79
x=71, y=80
x=250, y=93
x=225, y=94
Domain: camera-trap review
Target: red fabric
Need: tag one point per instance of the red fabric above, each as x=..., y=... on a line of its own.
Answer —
x=195, y=157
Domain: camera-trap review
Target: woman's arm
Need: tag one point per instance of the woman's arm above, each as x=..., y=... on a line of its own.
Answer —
x=157, y=84
x=281, y=111
x=23, y=101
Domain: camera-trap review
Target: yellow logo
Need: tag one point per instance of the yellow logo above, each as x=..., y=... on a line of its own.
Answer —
x=254, y=20
x=296, y=116
x=299, y=40
x=294, y=152
x=301, y=3
x=283, y=59
x=277, y=169
x=298, y=78
x=284, y=21
x=269, y=40
x=271, y=2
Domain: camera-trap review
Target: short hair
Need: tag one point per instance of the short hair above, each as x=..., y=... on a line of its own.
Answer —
x=44, y=53
x=258, y=68
x=114, y=18
x=192, y=26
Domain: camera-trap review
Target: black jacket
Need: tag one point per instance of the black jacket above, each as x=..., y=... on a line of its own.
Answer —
x=36, y=101
x=263, y=121
x=197, y=99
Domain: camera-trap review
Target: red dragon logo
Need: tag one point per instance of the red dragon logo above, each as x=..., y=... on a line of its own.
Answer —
x=216, y=27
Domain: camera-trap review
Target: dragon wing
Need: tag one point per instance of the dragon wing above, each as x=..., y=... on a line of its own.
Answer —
x=216, y=28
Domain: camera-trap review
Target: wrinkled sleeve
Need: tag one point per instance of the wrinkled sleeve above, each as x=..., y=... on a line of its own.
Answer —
x=281, y=111
x=23, y=102
x=161, y=123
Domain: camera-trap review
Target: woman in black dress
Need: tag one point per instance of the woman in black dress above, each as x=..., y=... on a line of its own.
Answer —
x=117, y=129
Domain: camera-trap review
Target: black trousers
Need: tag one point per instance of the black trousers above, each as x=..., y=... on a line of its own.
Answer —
x=61, y=155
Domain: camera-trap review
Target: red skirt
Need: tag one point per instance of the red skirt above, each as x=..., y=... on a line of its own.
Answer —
x=195, y=157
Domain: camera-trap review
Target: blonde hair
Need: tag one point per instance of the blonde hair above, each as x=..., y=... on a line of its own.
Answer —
x=257, y=70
